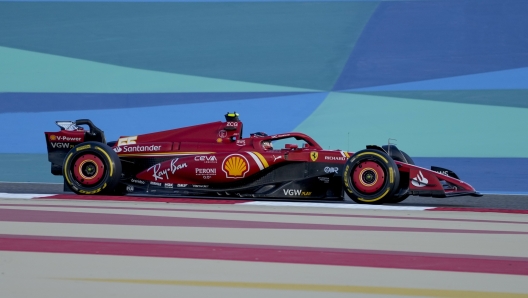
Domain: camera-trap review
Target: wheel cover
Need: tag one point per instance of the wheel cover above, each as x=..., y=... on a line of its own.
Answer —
x=88, y=169
x=368, y=177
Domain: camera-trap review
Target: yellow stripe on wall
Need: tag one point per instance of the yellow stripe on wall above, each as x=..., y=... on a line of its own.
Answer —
x=314, y=288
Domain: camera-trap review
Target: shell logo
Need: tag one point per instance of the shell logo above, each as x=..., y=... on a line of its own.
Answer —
x=235, y=166
x=53, y=138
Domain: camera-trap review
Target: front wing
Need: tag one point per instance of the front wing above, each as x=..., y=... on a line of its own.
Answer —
x=440, y=183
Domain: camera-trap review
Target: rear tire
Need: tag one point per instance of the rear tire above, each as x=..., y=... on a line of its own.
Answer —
x=370, y=177
x=92, y=168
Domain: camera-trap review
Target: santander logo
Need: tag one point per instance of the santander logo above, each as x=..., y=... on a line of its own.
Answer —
x=137, y=148
x=419, y=180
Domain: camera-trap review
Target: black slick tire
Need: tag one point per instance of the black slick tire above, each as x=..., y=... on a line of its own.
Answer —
x=92, y=168
x=370, y=177
x=404, y=183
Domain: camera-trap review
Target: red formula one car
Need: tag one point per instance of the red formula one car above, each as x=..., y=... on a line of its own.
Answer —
x=214, y=159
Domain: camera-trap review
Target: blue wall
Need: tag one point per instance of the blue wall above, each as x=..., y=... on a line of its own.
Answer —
x=447, y=78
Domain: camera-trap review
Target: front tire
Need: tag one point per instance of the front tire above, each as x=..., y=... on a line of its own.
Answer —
x=370, y=177
x=92, y=168
x=404, y=182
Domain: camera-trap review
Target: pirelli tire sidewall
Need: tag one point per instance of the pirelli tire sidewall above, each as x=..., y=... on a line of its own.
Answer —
x=388, y=182
x=404, y=183
x=96, y=153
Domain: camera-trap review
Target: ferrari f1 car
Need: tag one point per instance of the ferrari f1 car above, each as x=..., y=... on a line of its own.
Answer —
x=215, y=160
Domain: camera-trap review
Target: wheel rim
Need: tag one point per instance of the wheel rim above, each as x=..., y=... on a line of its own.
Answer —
x=368, y=177
x=88, y=169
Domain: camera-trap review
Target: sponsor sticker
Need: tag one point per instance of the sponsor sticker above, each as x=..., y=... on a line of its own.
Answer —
x=241, y=142
x=208, y=171
x=205, y=173
x=235, y=166
x=206, y=158
x=342, y=158
x=419, y=180
x=175, y=167
x=155, y=183
x=65, y=138
x=138, y=148
x=331, y=169
x=200, y=186
x=181, y=185
x=158, y=173
x=62, y=145
x=130, y=188
x=137, y=181
x=169, y=185
x=296, y=192
x=324, y=179
x=280, y=136
x=127, y=141
x=222, y=134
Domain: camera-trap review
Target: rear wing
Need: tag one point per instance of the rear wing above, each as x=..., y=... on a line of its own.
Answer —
x=71, y=133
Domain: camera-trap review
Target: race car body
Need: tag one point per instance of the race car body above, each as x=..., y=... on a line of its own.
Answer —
x=214, y=159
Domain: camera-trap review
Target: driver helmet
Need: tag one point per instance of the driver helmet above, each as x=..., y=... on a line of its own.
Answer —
x=267, y=145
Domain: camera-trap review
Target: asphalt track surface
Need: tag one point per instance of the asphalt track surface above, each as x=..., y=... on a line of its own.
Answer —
x=67, y=246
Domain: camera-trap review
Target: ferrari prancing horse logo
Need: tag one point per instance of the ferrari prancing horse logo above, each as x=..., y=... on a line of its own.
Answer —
x=314, y=155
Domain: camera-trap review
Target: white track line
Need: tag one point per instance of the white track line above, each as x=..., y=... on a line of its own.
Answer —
x=24, y=196
x=335, y=205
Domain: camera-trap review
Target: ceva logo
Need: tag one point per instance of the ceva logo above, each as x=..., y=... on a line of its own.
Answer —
x=206, y=158
x=419, y=180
